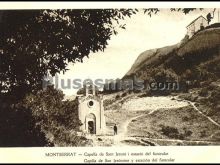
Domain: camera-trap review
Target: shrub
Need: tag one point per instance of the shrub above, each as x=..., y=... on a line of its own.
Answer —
x=18, y=127
x=216, y=136
x=203, y=134
x=203, y=92
x=144, y=94
x=215, y=25
x=55, y=116
x=124, y=94
x=188, y=133
x=117, y=97
x=185, y=118
x=108, y=102
x=170, y=131
x=179, y=144
x=211, y=87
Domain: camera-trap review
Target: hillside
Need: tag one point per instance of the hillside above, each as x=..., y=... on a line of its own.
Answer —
x=195, y=61
x=150, y=57
x=201, y=51
x=185, y=117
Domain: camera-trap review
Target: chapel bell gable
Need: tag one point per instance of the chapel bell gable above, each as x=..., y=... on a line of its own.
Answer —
x=91, y=112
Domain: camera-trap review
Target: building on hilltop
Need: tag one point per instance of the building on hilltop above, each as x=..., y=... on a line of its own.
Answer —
x=196, y=25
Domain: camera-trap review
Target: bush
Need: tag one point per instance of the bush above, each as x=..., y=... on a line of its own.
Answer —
x=216, y=136
x=188, y=133
x=203, y=134
x=215, y=25
x=108, y=102
x=54, y=116
x=170, y=132
x=211, y=87
x=185, y=118
x=117, y=97
x=144, y=94
x=18, y=127
x=203, y=92
x=124, y=94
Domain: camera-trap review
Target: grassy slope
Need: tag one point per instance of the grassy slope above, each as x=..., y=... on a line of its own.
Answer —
x=202, y=47
x=206, y=39
x=183, y=119
x=150, y=57
x=119, y=117
x=200, y=55
x=196, y=60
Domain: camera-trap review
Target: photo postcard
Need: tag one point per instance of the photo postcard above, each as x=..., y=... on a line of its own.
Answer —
x=108, y=82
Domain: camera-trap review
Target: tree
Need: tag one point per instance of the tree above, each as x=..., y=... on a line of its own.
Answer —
x=36, y=42
x=58, y=119
x=18, y=127
x=209, y=17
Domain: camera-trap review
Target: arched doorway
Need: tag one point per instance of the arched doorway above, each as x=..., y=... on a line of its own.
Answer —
x=91, y=123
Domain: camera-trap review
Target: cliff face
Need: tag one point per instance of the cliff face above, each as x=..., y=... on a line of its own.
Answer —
x=195, y=59
x=150, y=57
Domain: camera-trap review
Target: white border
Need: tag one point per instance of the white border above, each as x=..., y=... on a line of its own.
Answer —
x=96, y=5
x=182, y=154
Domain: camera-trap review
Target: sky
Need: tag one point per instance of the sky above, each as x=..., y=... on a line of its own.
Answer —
x=142, y=33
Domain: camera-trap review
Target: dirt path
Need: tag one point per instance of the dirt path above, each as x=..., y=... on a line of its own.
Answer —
x=195, y=108
x=119, y=140
x=123, y=134
x=209, y=118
